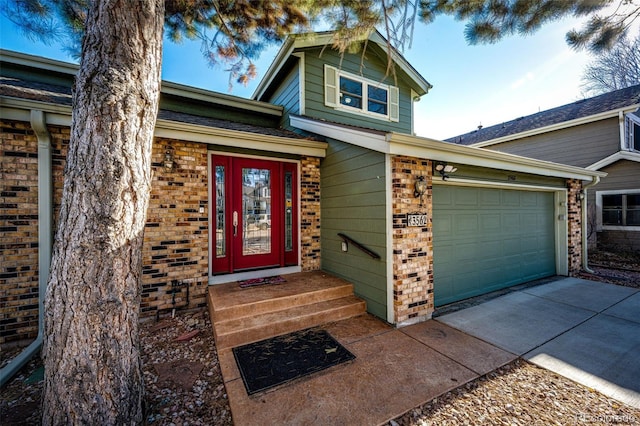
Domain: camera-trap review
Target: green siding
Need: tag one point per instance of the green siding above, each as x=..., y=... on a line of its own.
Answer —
x=287, y=94
x=487, y=239
x=353, y=203
x=374, y=69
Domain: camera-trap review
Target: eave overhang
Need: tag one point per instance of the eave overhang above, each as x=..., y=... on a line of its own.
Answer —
x=402, y=144
x=60, y=115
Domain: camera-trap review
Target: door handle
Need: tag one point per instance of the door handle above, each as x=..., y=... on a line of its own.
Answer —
x=235, y=223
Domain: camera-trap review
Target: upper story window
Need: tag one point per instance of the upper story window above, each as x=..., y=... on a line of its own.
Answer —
x=618, y=209
x=359, y=95
x=632, y=132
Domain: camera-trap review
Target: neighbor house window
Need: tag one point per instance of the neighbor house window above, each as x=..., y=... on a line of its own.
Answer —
x=359, y=95
x=632, y=132
x=619, y=209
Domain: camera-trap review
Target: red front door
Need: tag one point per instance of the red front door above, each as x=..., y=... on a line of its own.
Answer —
x=255, y=220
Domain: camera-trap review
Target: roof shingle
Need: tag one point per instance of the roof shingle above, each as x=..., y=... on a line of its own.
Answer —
x=61, y=95
x=579, y=109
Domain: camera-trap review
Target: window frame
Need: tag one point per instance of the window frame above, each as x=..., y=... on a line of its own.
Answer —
x=599, y=208
x=334, y=94
x=631, y=137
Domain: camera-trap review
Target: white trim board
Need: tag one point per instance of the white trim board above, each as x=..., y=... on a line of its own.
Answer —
x=620, y=155
x=420, y=147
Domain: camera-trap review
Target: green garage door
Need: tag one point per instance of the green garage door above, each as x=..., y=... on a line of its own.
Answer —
x=488, y=239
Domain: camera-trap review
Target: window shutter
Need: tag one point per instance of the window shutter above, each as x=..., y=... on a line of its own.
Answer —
x=330, y=86
x=394, y=104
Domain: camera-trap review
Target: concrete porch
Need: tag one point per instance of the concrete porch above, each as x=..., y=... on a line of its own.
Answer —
x=307, y=299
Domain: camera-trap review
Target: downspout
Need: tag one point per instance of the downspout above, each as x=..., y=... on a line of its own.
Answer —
x=45, y=239
x=585, y=242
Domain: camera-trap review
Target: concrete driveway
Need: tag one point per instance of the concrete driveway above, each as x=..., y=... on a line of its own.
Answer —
x=584, y=330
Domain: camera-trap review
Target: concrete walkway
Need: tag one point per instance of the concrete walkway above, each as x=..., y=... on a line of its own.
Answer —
x=584, y=330
x=587, y=331
x=395, y=370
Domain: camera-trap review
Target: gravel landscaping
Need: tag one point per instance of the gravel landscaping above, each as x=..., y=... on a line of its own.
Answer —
x=184, y=384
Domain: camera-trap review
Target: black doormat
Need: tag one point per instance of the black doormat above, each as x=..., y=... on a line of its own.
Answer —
x=277, y=279
x=272, y=362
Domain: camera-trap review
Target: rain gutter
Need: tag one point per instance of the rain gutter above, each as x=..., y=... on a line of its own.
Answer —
x=585, y=237
x=45, y=239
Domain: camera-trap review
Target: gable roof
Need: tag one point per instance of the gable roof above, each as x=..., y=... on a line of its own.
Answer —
x=325, y=38
x=583, y=111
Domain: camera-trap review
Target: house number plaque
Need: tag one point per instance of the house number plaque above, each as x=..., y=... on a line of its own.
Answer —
x=416, y=219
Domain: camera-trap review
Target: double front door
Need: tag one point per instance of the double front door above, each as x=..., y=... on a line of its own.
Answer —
x=255, y=223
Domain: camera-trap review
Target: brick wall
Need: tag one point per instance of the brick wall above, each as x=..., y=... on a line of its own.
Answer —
x=412, y=246
x=18, y=233
x=176, y=244
x=19, y=273
x=310, y=213
x=175, y=251
x=574, y=225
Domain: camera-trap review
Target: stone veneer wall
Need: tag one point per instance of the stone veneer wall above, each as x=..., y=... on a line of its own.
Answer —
x=310, y=213
x=574, y=225
x=412, y=246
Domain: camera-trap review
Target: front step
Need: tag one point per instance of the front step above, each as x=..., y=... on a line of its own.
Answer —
x=241, y=316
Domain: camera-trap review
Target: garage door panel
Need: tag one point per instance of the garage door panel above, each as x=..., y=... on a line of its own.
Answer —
x=466, y=252
x=489, y=198
x=443, y=227
x=511, y=246
x=529, y=199
x=510, y=223
x=530, y=245
x=466, y=197
x=510, y=198
x=490, y=222
x=529, y=221
x=490, y=250
x=490, y=239
x=465, y=224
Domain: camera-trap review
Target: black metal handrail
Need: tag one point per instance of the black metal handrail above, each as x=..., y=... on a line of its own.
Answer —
x=348, y=239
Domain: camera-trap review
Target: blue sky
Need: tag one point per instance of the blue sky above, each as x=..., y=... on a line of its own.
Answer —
x=473, y=85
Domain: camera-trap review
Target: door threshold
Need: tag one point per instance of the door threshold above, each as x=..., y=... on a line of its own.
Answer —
x=262, y=273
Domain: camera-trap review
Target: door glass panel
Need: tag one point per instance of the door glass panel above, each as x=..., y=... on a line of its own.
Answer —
x=221, y=249
x=288, y=211
x=256, y=211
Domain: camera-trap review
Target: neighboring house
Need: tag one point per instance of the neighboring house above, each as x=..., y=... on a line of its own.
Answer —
x=600, y=133
x=255, y=188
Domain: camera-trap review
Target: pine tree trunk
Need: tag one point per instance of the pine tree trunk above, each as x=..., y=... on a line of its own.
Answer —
x=93, y=374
